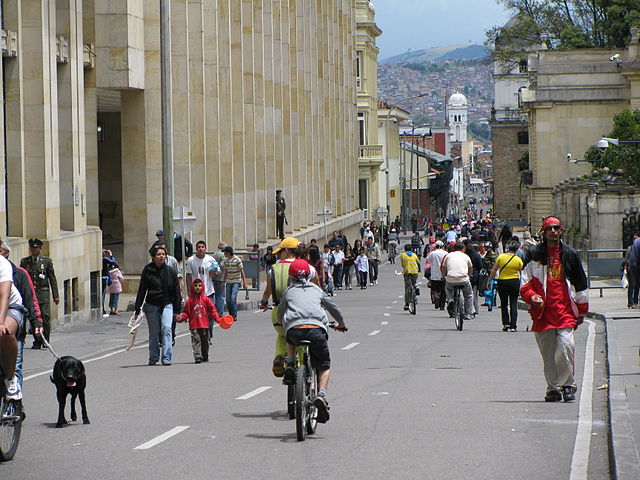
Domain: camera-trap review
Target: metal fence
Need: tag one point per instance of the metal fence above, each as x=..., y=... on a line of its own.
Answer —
x=603, y=268
x=251, y=267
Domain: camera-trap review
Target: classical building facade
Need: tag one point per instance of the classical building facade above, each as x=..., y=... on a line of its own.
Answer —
x=370, y=151
x=262, y=97
x=571, y=101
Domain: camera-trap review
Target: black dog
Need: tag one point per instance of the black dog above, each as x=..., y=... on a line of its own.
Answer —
x=69, y=379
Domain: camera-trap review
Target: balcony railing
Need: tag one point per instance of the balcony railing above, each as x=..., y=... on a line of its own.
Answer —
x=367, y=152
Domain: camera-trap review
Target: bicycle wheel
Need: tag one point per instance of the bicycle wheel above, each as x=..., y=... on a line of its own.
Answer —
x=10, y=426
x=291, y=405
x=459, y=312
x=412, y=302
x=301, y=402
x=312, y=422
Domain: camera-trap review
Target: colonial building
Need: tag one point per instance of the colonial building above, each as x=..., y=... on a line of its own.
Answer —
x=371, y=181
x=510, y=139
x=262, y=98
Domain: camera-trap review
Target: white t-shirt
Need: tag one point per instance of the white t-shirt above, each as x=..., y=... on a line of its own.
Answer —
x=338, y=257
x=458, y=264
x=199, y=268
x=435, y=258
x=6, y=275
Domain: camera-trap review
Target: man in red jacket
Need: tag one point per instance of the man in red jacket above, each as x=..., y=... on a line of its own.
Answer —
x=555, y=286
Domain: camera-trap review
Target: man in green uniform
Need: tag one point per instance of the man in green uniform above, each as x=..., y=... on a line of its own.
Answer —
x=44, y=280
x=281, y=216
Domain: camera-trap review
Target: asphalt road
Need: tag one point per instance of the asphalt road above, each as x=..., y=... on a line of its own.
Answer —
x=417, y=399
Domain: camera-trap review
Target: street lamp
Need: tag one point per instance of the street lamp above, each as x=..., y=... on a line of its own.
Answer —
x=604, y=142
x=387, y=143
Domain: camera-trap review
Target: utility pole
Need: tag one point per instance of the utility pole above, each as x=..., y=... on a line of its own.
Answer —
x=167, y=124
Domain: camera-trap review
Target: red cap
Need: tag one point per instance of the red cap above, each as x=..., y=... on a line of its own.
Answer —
x=299, y=269
x=548, y=222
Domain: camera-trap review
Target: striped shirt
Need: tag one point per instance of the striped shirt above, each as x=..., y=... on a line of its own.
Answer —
x=233, y=269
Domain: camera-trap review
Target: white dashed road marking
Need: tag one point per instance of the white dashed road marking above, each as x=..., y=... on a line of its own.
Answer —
x=384, y=323
x=253, y=393
x=350, y=346
x=375, y=332
x=161, y=438
x=395, y=301
x=387, y=314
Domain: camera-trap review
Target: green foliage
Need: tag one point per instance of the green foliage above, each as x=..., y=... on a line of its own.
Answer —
x=562, y=24
x=523, y=162
x=626, y=126
x=480, y=131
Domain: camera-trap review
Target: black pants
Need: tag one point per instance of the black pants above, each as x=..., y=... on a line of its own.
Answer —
x=280, y=226
x=509, y=291
x=373, y=271
x=440, y=295
x=337, y=275
x=346, y=274
x=46, y=322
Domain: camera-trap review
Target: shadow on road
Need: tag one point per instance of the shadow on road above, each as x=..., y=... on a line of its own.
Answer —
x=278, y=415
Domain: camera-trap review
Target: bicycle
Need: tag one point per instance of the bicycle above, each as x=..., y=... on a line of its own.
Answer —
x=458, y=307
x=413, y=299
x=11, y=416
x=305, y=390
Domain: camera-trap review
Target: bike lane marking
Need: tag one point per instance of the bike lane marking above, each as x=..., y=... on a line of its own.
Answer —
x=350, y=346
x=375, y=332
x=253, y=393
x=582, y=446
x=161, y=438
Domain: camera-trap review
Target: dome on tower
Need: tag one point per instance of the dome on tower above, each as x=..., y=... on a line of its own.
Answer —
x=458, y=100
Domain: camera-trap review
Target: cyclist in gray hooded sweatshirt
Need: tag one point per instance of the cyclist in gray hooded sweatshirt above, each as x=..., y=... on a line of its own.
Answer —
x=301, y=314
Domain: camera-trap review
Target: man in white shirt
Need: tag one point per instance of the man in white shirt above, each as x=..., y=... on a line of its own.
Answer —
x=457, y=270
x=437, y=282
x=203, y=266
x=11, y=320
x=338, y=260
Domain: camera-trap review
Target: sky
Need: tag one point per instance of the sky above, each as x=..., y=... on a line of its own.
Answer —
x=421, y=24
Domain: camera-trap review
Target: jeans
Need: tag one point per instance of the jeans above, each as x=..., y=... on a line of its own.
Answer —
x=346, y=274
x=19, y=362
x=633, y=276
x=509, y=291
x=467, y=291
x=159, y=321
x=409, y=283
x=219, y=303
x=362, y=278
x=231, y=292
x=113, y=300
x=373, y=271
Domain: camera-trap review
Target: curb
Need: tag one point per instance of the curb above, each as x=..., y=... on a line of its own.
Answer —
x=625, y=461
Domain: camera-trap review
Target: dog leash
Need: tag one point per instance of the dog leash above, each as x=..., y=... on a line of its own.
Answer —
x=44, y=340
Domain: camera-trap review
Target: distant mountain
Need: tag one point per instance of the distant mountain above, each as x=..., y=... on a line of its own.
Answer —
x=465, y=51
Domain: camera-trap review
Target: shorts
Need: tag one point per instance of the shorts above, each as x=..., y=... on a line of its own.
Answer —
x=319, y=348
x=18, y=316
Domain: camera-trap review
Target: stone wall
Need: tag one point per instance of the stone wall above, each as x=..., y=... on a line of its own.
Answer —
x=507, y=193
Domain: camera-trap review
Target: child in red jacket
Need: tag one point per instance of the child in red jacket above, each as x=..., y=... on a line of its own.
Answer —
x=197, y=310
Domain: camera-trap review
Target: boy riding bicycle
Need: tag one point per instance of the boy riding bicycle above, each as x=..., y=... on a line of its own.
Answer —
x=301, y=314
x=410, y=267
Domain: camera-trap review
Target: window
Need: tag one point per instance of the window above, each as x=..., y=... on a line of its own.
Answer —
x=358, y=69
x=363, y=197
x=361, y=131
x=95, y=284
x=523, y=138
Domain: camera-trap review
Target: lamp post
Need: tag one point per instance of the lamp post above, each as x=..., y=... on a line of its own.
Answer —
x=387, y=145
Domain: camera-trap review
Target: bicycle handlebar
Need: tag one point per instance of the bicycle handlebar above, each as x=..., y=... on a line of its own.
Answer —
x=337, y=327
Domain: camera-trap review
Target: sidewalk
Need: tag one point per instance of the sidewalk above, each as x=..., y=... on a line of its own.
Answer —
x=623, y=341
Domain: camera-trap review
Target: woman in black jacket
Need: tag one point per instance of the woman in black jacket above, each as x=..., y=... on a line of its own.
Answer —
x=160, y=291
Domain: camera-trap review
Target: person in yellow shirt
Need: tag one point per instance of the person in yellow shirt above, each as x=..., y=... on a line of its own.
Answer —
x=410, y=268
x=508, y=266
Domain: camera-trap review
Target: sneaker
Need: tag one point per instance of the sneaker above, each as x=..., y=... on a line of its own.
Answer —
x=36, y=346
x=406, y=307
x=371, y=284
x=14, y=392
x=166, y=364
x=505, y=329
x=569, y=393
x=152, y=363
x=322, y=406
x=513, y=329
x=376, y=282
x=553, y=396
x=289, y=375
x=278, y=366
x=198, y=361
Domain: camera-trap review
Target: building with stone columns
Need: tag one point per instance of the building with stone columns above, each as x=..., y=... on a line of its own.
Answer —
x=263, y=97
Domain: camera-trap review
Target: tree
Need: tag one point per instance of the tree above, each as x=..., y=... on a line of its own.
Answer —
x=562, y=24
x=626, y=125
